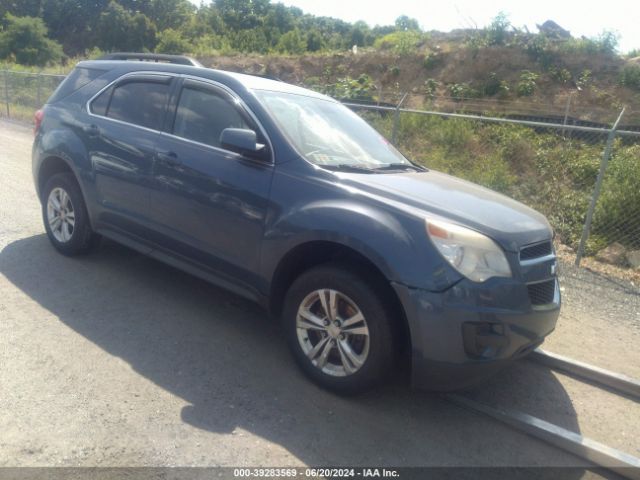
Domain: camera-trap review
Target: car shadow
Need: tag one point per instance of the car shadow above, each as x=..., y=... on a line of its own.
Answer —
x=224, y=357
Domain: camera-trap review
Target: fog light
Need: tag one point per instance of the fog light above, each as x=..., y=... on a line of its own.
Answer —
x=483, y=339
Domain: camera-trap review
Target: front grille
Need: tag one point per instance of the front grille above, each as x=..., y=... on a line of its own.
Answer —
x=535, y=251
x=542, y=293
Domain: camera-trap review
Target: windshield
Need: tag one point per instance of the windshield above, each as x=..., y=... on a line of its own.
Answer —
x=329, y=134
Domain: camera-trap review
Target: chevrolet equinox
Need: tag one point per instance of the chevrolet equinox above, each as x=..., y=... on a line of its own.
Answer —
x=288, y=198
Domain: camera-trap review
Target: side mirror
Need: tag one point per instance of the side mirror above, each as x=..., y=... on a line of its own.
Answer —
x=242, y=141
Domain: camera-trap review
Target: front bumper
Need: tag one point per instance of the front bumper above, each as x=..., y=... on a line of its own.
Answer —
x=466, y=333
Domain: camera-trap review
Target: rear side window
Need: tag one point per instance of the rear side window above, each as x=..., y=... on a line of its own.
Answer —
x=78, y=78
x=140, y=102
x=202, y=115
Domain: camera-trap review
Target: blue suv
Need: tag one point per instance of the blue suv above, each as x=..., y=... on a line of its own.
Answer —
x=288, y=198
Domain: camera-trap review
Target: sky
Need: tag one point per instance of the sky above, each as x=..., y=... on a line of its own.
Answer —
x=585, y=17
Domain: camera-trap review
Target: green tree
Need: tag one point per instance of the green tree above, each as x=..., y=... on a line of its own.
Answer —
x=118, y=29
x=73, y=22
x=170, y=13
x=171, y=41
x=315, y=42
x=253, y=40
x=405, y=23
x=242, y=14
x=280, y=17
x=292, y=42
x=497, y=31
x=21, y=8
x=25, y=40
x=212, y=17
x=360, y=34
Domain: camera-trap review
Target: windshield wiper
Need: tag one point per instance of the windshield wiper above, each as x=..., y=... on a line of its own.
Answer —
x=401, y=166
x=348, y=167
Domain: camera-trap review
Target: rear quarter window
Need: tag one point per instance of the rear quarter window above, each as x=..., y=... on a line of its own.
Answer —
x=78, y=78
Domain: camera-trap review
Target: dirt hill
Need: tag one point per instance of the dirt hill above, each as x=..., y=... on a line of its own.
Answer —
x=531, y=78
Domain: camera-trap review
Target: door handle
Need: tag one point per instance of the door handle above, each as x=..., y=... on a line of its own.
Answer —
x=91, y=130
x=169, y=158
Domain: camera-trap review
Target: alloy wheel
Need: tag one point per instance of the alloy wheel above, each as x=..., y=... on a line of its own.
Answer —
x=332, y=332
x=60, y=215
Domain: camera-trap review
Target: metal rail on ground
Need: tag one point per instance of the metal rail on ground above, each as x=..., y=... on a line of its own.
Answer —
x=610, y=458
x=601, y=455
x=616, y=381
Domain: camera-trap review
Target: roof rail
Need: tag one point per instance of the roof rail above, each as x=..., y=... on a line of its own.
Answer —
x=152, y=57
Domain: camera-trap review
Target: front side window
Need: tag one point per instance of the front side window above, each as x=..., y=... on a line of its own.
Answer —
x=203, y=114
x=140, y=102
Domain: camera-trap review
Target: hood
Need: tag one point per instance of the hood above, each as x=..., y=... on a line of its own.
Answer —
x=508, y=222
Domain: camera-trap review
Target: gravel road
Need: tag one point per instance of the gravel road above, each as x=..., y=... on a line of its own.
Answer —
x=114, y=359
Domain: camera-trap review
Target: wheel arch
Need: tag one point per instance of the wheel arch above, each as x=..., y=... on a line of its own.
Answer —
x=318, y=252
x=52, y=165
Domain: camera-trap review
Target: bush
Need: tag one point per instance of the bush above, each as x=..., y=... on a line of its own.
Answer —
x=430, y=87
x=498, y=31
x=207, y=44
x=433, y=60
x=292, y=42
x=606, y=43
x=346, y=88
x=527, y=84
x=461, y=91
x=560, y=74
x=630, y=77
x=25, y=41
x=171, y=42
x=404, y=43
x=617, y=216
x=584, y=79
x=315, y=42
x=253, y=40
x=540, y=49
x=494, y=86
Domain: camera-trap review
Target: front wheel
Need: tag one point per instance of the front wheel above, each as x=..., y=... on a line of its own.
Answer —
x=339, y=329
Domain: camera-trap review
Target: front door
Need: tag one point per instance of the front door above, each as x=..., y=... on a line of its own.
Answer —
x=209, y=204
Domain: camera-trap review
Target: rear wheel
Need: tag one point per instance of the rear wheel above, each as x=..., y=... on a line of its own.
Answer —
x=339, y=329
x=65, y=216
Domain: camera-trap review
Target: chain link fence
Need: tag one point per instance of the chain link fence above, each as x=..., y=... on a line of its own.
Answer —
x=23, y=93
x=579, y=165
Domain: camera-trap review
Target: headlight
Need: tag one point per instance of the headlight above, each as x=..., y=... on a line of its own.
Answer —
x=474, y=255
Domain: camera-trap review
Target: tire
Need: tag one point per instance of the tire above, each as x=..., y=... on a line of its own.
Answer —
x=321, y=352
x=71, y=233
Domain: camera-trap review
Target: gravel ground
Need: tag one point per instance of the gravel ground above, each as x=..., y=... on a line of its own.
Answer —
x=114, y=359
x=600, y=321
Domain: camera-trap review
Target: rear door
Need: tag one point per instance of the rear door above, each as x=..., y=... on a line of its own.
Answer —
x=210, y=203
x=125, y=120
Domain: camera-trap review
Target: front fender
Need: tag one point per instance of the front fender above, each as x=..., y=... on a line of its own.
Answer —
x=395, y=243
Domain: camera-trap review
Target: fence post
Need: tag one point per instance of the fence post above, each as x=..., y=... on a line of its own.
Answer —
x=39, y=94
x=566, y=111
x=596, y=191
x=6, y=92
x=396, y=120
